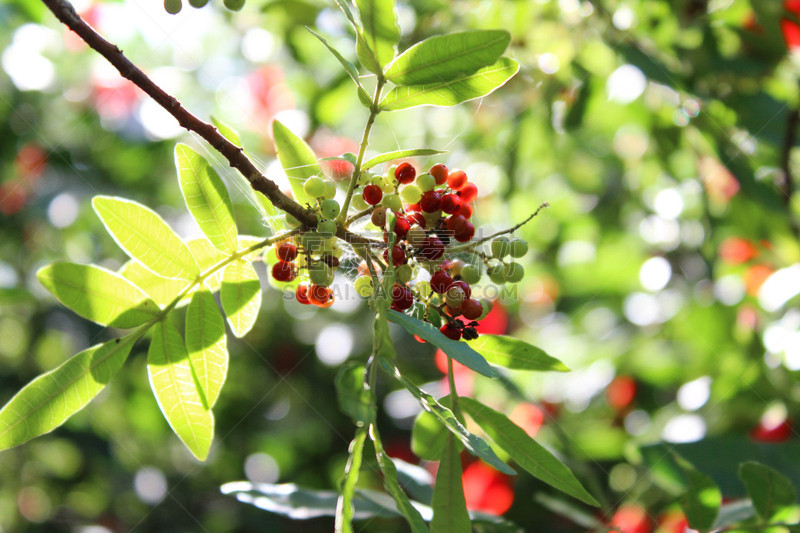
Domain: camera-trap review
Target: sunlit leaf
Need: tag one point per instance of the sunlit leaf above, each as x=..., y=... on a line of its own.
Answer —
x=397, y=154
x=428, y=437
x=47, y=401
x=98, y=294
x=449, y=506
x=528, y=453
x=355, y=400
x=347, y=65
x=390, y=482
x=206, y=198
x=702, y=499
x=443, y=58
x=161, y=290
x=206, y=344
x=176, y=389
x=226, y=130
x=453, y=91
x=509, y=352
x=380, y=31
x=240, y=294
x=144, y=236
x=297, y=159
x=458, y=350
x=772, y=493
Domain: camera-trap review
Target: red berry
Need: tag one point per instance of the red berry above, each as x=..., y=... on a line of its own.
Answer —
x=457, y=179
x=450, y=331
x=413, y=208
x=466, y=233
x=302, y=294
x=468, y=192
x=283, y=271
x=286, y=251
x=401, y=227
x=465, y=210
x=430, y=202
x=402, y=297
x=471, y=309
x=432, y=249
x=456, y=223
x=372, y=194
x=439, y=173
x=417, y=218
x=452, y=311
x=398, y=255
x=440, y=281
x=405, y=173
x=464, y=286
x=320, y=296
x=450, y=203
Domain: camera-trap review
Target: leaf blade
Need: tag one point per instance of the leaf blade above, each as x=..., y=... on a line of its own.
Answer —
x=445, y=57
x=702, y=500
x=528, y=453
x=513, y=353
x=771, y=492
x=347, y=65
x=144, y=236
x=398, y=154
x=206, y=198
x=97, y=294
x=380, y=29
x=240, y=294
x=47, y=401
x=449, y=506
x=206, y=344
x=174, y=385
x=452, y=92
x=297, y=159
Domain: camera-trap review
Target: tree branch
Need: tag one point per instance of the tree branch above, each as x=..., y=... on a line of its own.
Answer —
x=66, y=13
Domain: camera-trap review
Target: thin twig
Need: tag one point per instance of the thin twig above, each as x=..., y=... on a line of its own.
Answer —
x=787, y=187
x=473, y=244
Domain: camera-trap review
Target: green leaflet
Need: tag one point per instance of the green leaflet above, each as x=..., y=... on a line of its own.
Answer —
x=47, y=401
x=528, y=453
x=206, y=198
x=397, y=154
x=240, y=294
x=449, y=507
x=348, y=67
x=428, y=437
x=206, y=344
x=161, y=290
x=772, y=493
x=144, y=236
x=513, y=353
x=297, y=159
x=344, y=505
x=380, y=32
x=98, y=294
x=447, y=57
x=460, y=351
x=355, y=400
x=227, y=131
x=453, y=91
x=175, y=387
x=702, y=499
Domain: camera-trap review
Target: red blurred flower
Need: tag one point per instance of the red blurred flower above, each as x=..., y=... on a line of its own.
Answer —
x=486, y=489
x=496, y=322
x=754, y=278
x=672, y=521
x=621, y=392
x=790, y=28
x=270, y=94
x=528, y=416
x=736, y=250
x=631, y=518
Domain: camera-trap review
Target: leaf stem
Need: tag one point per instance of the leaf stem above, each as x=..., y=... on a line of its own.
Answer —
x=451, y=380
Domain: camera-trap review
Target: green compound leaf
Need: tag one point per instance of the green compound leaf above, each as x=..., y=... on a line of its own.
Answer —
x=240, y=294
x=513, y=353
x=297, y=159
x=206, y=344
x=449, y=506
x=175, y=387
x=772, y=493
x=398, y=154
x=355, y=400
x=50, y=399
x=453, y=91
x=444, y=58
x=460, y=351
x=161, y=290
x=144, y=236
x=702, y=499
x=98, y=294
x=528, y=453
x=474, y=444
x=207, y=198
x=380, y=31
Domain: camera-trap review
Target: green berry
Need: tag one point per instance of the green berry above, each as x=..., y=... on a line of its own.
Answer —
x=403, y=273
x=386, y=185
x=471, y=274
x=330, y=188
x=411, y=194
x=312, y=240
x=197, y=3
x=495, y=273
x=416, y=236
x=172, y=6
x=233, y=5
x=364, y=286
x=366, y=178
x=518, y=248
x=500, y=247
x=321, y=274
x=314, y=186
x=425, y=182
x=329, y=208
x=487, y=307
x=424, y=288
x=455, y=267
x=513, y=272
x=390, y=171
x=327, y=228
x=393, y=202
x=358, y=202
x=454, y=297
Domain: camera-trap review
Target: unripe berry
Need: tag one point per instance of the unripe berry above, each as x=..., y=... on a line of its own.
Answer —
x=416, y=236
x=197, y=3
x=424, y=288
x=471, y=309
x=454, y=266
x=379, y=216
x=312, y=240
x=329, y=188
x=233, y=5
x=301, y=294
x=393, y=202
x=387, y=185
x=358, y=202
x=430, y=202
x=405, y=173
x=471, y=274
x=372, y=194
x=283, y=271
x=495, y=272
x=518, y=248
x=454, y=297
x=326, y=228
x=398, y=255
x=426, y=182
x=450, y=203
x=468, y=192
x=411, y=194
x=450, y=331
x=404, y=273
x=440, y=281
x=456, y=179
x=432, y=249
x=402, y=297
x=329, y=209
x=172, y=6
x=487, y=308
x=513, y=272
x=314, y=187
x=286, y=251
x=321, y=274
x=439, y=173
x=366, y=178
x=364, y=287
x=500, y=247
